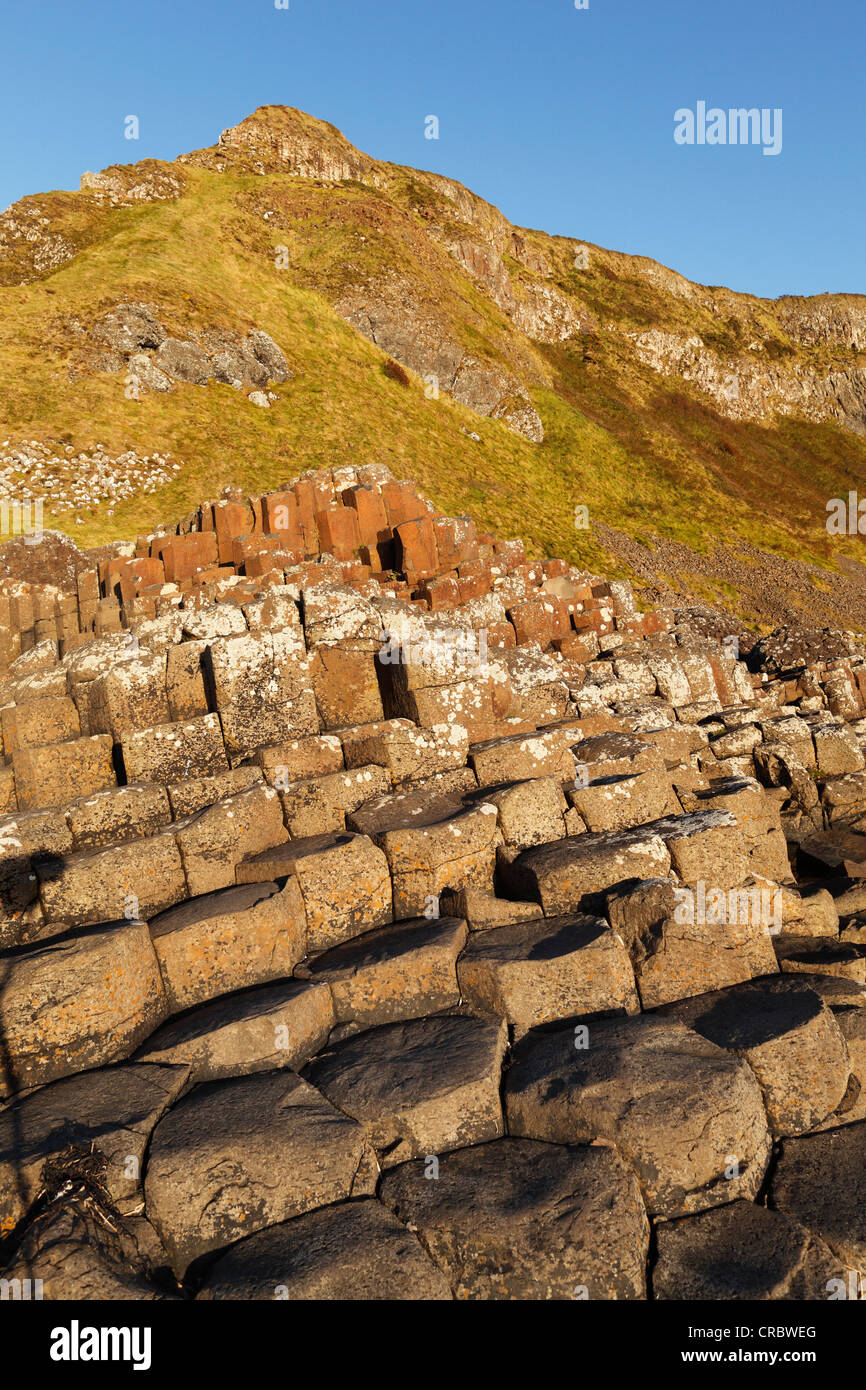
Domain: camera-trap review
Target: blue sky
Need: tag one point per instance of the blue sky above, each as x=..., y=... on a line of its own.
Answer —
x=562, y=117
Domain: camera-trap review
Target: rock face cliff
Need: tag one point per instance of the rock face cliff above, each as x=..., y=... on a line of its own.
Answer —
x=746, y=388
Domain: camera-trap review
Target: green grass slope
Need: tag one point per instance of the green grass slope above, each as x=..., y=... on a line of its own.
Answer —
x=647, y=455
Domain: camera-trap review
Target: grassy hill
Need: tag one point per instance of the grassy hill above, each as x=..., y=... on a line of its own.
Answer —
x=650, y=455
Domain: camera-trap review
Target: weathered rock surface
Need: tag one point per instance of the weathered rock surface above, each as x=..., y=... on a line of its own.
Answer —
x=236, y=1156
x=563, y=875
x=688, y=1116
x=399, y=972
x=532, y=973
x=324, y=781
x=790, y=1039
x=353, y=1252
x=418, y=1088
x=514, y=1219
x=81, y=1002
x=82, y=1256
x=819, y=1181
x=281, y=1025
x=678, y=949
x=229, y=939
x=742, y=1251
x=112, y=1110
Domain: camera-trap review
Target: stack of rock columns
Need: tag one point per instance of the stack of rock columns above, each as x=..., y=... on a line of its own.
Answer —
x=478, y=894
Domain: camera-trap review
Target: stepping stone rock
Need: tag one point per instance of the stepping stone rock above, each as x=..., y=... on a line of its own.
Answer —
x=837, y=992
x=561, y=875
x=742, y=1252
x=131, y=695
x=172, y=752
x=225, y=941
x=236, y=1156
x=687, y=1115
x=437, y=799
x=836, y=750
x=334, y=615
x=531, y=973
x=521, y=758
x=133, y=812
x=344, y=882
x=113, y=1109
x=790, y=1039
x=529, y=813
x=346, y=687
x=44, y=779
x=675, y=957
x=395, y=973
x=80, y=1002
x=256, y=670
x=197, y=793
x=257, y=1030
x=408, y=753
x=809, y=912
x=844, y=800
x=249, y=727
x=314, y=805
x=354, y=1252
x=427, y=859
x=705, y=846
x=674, y=742
x=35, y=723
x=477, y=704
x=616, y=755
x=301, y=757
x=790, y=737
x=617, y=803
x=852, y=1108
x=757, y=819
x=514, y=1219
x=216, y=620
x=137, y=879
x=215, y=840
x=419, y=1088
x=820, y=1180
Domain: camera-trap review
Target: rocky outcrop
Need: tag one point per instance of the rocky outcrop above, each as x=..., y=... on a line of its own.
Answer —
x=787, y=650
x=541, y=311
x=136, y=341
x=749, y=389
x=382, y=913
x=390, y=315
x=279, y=139
x=30, y=246
x=125, y=185
x=38, y=235
x=827, y=320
